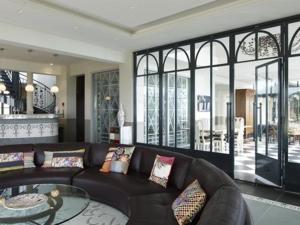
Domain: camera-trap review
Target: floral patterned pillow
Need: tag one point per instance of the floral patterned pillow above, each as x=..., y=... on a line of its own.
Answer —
x=11, y=161
x=117, y=160
x=73, y=158
x=67, y=162
x=187, y=205
x=161, y=170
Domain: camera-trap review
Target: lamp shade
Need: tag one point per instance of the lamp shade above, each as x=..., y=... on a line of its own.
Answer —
x=29, y=88
x=2, y=87
x=54, y=89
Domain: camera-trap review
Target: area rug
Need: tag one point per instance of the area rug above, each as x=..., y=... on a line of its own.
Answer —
x=99, y=214
x=268, y=212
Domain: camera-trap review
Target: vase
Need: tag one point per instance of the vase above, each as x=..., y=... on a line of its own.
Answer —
x=121, y=116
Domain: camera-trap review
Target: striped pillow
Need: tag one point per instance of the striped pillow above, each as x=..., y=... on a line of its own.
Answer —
x=64, y=158
x=16, y=160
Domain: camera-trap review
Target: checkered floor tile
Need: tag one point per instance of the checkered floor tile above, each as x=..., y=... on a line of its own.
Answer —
x=245, y=160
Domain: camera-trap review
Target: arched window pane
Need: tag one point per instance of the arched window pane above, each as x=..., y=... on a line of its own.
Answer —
x=153, y=63
x=203, y=57
x=295, y=46
x=219, y=51
x=169, y=60
x=267, y=46
x=246, y=51
x=183, y=58
x=142, y=65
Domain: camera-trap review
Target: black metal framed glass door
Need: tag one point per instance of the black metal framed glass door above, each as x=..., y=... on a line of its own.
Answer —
x=267, y=122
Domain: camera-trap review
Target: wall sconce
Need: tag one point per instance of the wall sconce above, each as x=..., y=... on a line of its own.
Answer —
x=2, y=87
x=107, y=98
x=54, y=89
x=29, y=88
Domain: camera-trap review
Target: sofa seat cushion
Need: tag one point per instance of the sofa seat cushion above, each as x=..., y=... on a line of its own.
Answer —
x=37, y=176
x=152, y=209
x=115, y=189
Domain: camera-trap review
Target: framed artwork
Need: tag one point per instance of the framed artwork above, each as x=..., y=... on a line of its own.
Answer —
x=203, y=103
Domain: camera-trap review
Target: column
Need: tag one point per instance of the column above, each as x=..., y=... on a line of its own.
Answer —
x=29, y=96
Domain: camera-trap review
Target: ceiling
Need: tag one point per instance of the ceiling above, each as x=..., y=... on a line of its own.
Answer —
x=129, y=25
x=32, y=55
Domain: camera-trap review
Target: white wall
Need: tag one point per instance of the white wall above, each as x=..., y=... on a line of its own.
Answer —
x=126, y=86
x=86, y=68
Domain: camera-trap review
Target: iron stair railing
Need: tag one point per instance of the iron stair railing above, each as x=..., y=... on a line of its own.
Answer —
x=44, y=100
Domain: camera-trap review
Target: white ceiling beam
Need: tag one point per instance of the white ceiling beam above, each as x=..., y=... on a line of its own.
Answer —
x=24, y=37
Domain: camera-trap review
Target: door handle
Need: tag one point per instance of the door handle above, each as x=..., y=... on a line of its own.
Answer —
x=254, y=121
x=228, y=106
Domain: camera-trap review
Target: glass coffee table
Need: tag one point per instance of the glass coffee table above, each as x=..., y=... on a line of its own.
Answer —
x=41, y=204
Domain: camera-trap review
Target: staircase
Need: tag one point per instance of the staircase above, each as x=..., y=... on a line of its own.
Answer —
x=43, y=100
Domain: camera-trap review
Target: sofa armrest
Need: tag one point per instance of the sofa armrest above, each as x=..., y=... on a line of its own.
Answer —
x=225, y=207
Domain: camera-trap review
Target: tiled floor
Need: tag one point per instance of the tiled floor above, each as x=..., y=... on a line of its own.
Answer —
x=270, y=205
x=271, y=193
x=245, y=160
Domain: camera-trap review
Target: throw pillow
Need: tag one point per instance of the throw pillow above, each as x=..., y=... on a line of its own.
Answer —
x=64, y=158
x=189, y=203
x=117, y=160
x=161, y=170
x=28, y=158
x=11, y=161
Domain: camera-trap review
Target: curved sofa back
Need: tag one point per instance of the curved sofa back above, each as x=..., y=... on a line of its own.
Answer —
x=225, y=205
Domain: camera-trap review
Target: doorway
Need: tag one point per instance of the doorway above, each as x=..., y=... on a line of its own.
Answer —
x=80, y=94
x=257, y=122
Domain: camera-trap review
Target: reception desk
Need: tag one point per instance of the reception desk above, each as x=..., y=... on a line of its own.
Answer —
x=28, y=129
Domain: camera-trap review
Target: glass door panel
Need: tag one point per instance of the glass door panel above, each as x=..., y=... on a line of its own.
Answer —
x=261, y=110
x=202, y=110
x=268, y=153
x=221, y=109
x=273, y=100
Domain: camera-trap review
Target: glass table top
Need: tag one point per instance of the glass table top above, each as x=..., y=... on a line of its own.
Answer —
x=41, y=204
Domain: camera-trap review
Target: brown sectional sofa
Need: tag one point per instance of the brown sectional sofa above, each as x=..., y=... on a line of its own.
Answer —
x=144, y=202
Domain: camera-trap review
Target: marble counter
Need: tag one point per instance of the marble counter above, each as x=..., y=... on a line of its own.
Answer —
x=28, y=129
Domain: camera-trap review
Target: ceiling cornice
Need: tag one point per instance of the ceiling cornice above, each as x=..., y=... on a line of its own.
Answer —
x=85, y=16
x=204, y=9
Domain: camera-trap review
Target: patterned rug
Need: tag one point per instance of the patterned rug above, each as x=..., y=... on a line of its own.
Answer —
x=268, y=212
x=99, y=214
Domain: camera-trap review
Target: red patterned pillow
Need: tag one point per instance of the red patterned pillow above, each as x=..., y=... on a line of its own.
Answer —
x=189, y=203
x=161, y=170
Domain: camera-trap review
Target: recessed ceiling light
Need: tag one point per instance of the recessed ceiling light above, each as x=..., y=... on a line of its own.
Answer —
x=132, y=7
x=20, y=11
x=51, y=64
x=29, y=50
